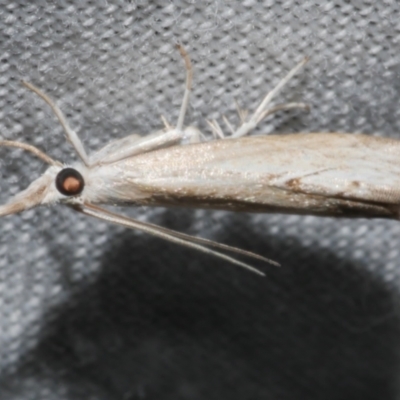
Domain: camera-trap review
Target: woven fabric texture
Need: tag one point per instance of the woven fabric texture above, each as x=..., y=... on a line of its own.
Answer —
x=93, y=311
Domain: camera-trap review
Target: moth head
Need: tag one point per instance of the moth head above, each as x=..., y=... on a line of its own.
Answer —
x=57, y=184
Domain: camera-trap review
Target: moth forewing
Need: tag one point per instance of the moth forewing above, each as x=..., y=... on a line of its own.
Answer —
x=298, y=173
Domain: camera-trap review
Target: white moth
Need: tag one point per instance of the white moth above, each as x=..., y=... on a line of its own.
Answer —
x=327, y=174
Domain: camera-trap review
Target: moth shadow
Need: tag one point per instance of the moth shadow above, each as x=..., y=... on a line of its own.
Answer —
x=162, y=322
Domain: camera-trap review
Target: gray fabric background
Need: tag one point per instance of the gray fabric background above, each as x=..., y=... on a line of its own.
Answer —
x=93, y=311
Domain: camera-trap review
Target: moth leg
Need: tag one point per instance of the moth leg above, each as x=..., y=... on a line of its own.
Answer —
x=165, y=122
x=170, y=136
x=269, y=111
x=242, y=113
x=284, y=106
x=71, y=135
x=228, y=125
x=215, y=129
x=262, y=111
x=133, y=145
x=188, y=86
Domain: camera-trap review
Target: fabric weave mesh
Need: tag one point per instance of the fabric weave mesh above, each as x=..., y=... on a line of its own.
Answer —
x=93, y=311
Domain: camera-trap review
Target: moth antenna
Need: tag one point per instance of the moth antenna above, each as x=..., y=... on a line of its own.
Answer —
x=71, y=135
x=32, y=149
x=171, y=236
x=188, y=86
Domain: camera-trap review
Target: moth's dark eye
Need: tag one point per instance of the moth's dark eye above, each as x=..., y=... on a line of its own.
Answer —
x=69, y=182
